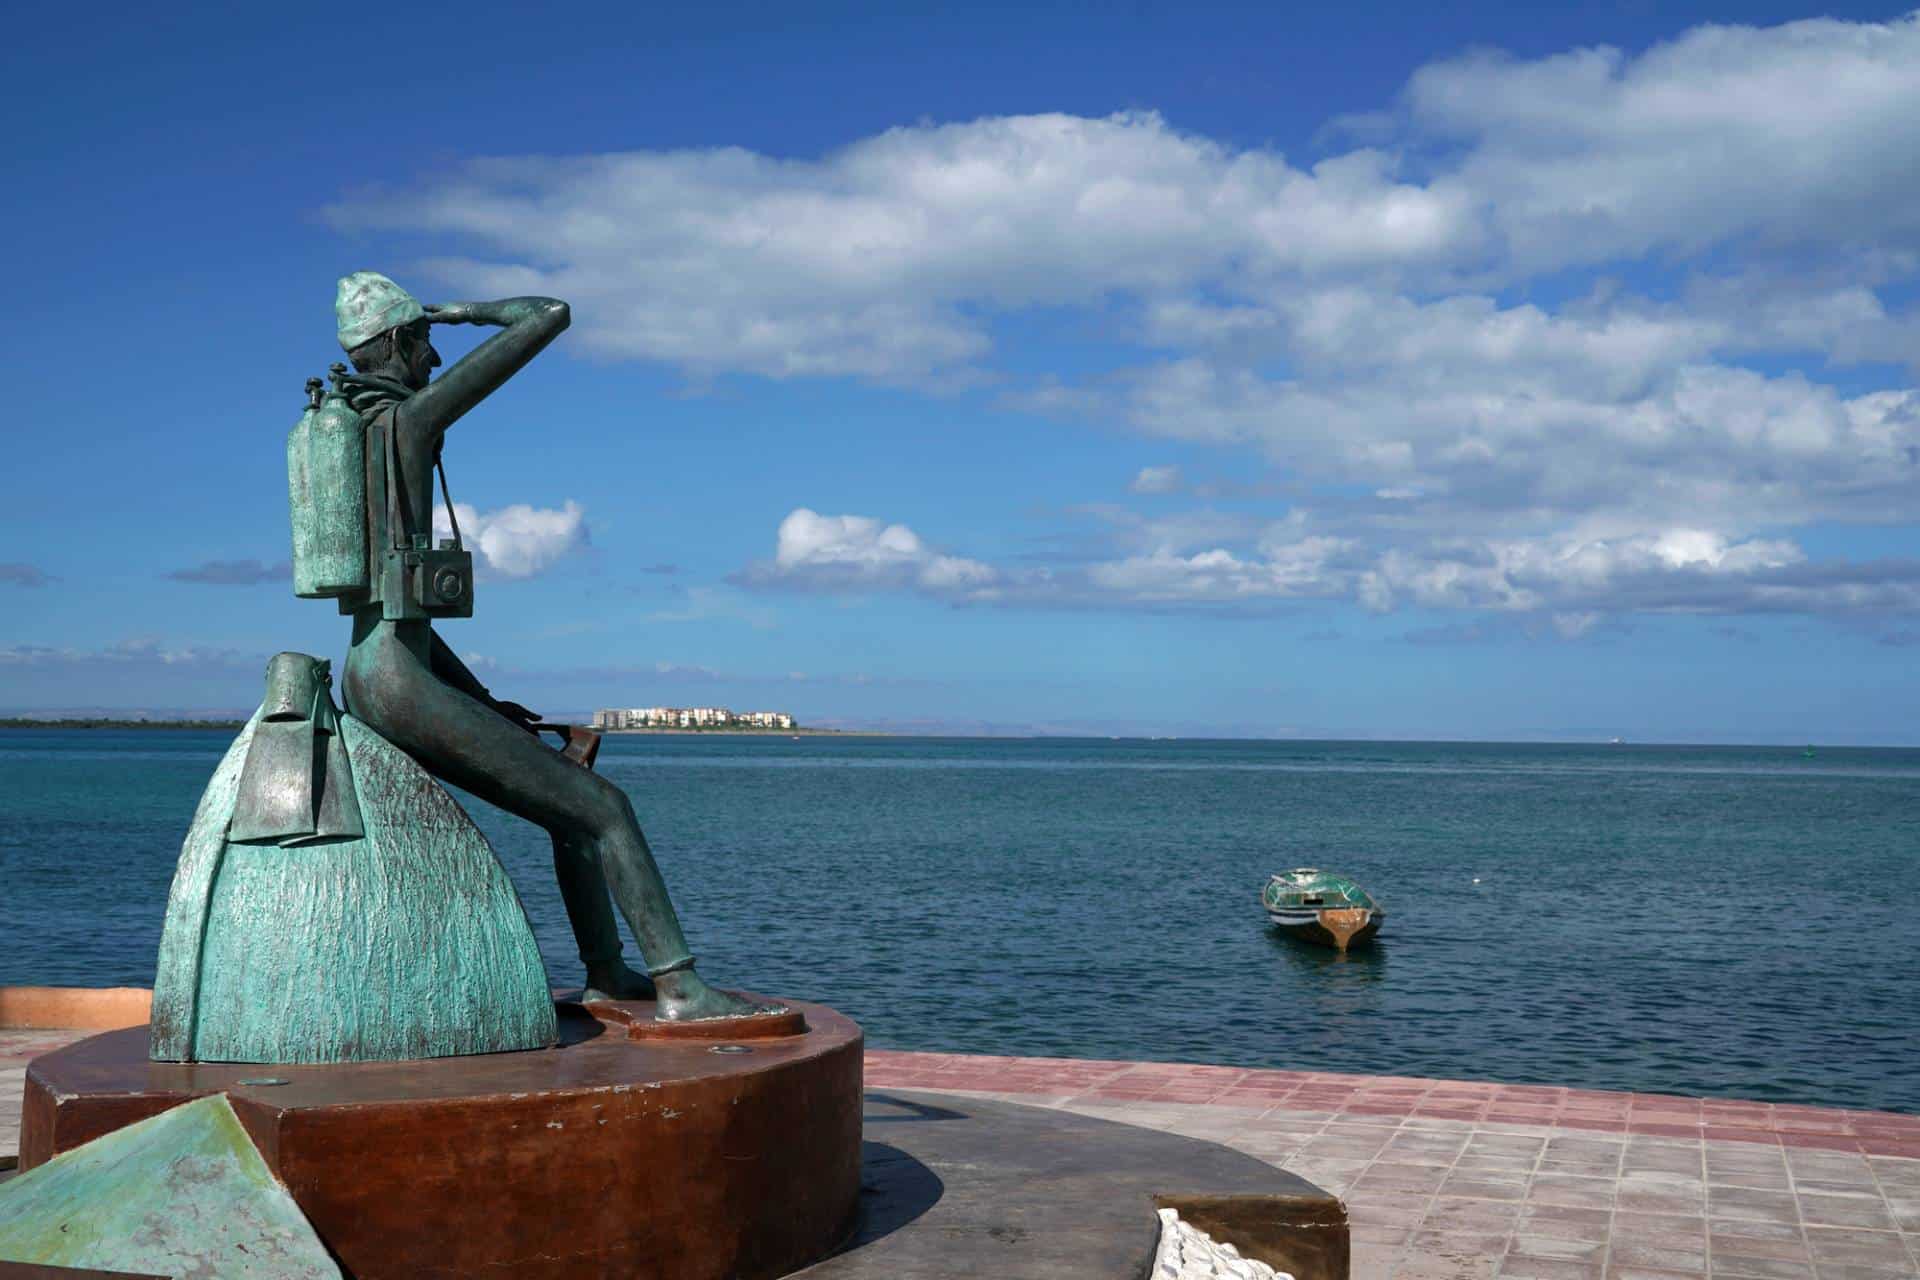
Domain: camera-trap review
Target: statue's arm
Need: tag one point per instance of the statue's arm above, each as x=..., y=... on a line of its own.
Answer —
x=527, y=326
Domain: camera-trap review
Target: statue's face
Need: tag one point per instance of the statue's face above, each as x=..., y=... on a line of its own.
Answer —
x=416, y=350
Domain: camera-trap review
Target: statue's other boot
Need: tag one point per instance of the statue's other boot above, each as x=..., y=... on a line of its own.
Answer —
x=686, y=997
x=583, y=888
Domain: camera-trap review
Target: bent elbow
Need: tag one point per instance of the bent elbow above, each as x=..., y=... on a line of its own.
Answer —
x=558, y=313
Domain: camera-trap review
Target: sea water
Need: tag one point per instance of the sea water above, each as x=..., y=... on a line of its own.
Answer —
x=1704, y=920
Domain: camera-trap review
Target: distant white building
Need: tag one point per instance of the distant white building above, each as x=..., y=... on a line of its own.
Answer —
x=636, y=718
x=689, y=718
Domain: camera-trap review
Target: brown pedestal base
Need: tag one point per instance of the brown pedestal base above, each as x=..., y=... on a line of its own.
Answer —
x=606, y=1156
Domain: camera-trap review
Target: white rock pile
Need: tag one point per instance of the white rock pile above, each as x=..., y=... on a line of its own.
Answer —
x=1187, y=1253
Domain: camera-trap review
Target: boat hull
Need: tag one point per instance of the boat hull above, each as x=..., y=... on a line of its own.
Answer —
x=1336, y=927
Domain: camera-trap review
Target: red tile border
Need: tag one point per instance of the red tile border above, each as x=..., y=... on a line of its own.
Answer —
x=1375, y=1097
x=1884, y=1126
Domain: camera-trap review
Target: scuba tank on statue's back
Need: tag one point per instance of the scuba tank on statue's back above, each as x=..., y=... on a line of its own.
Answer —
x=300, y=488
x=327, y=495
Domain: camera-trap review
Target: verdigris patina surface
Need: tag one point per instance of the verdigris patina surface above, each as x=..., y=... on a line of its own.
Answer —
x=332, y=902
x=184, y=1193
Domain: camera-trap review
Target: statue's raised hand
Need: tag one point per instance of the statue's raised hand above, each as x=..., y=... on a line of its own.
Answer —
x=450, y=313
x=530, y=323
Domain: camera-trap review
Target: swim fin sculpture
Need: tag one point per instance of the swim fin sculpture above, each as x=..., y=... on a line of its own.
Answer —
x=332, y=903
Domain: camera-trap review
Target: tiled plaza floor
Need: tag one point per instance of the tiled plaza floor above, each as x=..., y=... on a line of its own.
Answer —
x=1453, y=1180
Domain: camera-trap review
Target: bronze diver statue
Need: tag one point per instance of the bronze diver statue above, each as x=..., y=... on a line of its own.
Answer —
x=402, y=679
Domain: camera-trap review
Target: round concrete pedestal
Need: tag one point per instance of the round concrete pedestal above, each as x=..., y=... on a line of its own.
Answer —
x=609, y=1155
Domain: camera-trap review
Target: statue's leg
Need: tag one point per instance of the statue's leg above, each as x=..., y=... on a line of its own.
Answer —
x=467, y=743
x=583, y=888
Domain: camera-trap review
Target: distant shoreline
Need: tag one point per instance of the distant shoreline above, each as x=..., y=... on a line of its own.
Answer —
x=744, y=732
x=29, y=722
x=1798, y=747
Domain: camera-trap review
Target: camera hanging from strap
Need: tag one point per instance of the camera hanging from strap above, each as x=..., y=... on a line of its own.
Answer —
x=422, y=581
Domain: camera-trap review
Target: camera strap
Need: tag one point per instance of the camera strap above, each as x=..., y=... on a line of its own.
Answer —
x=452, y=519
x=395, y=532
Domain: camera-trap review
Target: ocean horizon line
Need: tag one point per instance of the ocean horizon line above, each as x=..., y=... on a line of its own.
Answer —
x=140, y=717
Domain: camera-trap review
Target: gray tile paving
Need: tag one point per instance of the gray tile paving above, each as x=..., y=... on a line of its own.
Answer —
x=1459, y=1201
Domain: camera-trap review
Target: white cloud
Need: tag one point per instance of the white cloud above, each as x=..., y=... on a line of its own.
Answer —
x=1158, y=480
x=878, y=259
x=1284, y=571
x=859, y=263
x=1426, y=338
x=1800, y=133
x=1840, y=320
x=858, y=553
x=1573, y=583
x=1618, y=445
x=1679, y=570
x=517, y=541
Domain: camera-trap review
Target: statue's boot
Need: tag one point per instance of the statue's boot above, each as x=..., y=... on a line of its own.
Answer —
x=583, y=888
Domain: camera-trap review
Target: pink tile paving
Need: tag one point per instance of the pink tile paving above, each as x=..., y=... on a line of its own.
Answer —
x=1464, y=1180
x=1467, y=1180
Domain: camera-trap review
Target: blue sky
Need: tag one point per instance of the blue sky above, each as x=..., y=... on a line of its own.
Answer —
x=1370, y=370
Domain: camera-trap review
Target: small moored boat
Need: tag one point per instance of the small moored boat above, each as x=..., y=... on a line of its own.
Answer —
x=1321, y=907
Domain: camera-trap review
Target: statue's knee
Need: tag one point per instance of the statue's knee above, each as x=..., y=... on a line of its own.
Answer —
x=611, y=809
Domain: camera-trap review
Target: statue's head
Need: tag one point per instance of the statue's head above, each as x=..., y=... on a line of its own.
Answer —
x=384, y=329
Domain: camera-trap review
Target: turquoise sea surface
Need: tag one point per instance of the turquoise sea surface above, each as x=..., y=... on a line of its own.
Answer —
x=1731, y=921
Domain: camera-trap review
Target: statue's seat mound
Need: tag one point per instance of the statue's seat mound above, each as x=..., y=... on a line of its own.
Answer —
x=405, y=941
